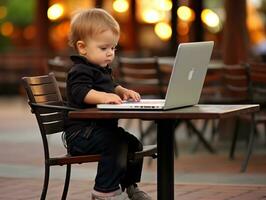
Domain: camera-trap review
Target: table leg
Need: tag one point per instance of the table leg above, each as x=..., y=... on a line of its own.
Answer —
x=165, y=160
x=250, y=143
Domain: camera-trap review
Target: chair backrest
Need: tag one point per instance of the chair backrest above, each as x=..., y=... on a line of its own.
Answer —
x=257, y=73
x=213, y=87
x=236, y=81
x=60, y=68
x=44, y=90
x=141, y=75
x=165, y=71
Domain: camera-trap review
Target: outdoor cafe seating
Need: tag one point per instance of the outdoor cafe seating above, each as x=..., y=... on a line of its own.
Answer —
x=47, y=105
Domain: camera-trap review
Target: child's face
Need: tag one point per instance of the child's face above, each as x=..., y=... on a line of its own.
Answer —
x=100, y=49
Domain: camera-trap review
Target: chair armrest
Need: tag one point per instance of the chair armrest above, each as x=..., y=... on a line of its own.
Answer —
x=52, y=107
x=148, y=151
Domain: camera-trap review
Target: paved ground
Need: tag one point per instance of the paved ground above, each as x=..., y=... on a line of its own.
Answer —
x=200, y=175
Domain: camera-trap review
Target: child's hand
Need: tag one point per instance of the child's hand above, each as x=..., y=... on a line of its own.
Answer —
x=112, y=98
x=130, y=94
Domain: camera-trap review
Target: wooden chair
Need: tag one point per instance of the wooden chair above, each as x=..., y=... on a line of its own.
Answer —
x=237, y=85
x=60, y=68
x=257, y=72
x=47, y=104
x=141, y=75
x=211, y=93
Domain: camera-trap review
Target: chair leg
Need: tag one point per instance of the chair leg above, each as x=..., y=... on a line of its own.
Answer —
x=147, y=132
x=67, y=179
x=203, y=130
x=206, y=144
x=45, y=182
x=234, y=139
x=214, y=129
x=250, y=144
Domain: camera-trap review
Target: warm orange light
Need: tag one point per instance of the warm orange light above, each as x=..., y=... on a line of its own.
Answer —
x=163, y=30
x=3, y=12
x=182, y=28
x=165, y=5
x=153, y=11
x=55, y=11
x=120, y=6
x=29, y=32
x=7, y=28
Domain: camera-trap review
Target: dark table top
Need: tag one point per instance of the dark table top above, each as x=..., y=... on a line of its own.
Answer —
x=200, y=111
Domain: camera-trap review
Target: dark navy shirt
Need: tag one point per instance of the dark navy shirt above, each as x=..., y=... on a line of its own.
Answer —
x=82, y=77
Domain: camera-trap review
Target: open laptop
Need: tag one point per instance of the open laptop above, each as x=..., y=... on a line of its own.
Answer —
x=186, y=81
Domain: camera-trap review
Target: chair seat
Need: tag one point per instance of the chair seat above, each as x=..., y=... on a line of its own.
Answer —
x=148, y=150
x=68, y=159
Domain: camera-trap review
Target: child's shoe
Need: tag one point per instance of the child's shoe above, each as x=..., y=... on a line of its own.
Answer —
x=118, y=196
x=134, y=193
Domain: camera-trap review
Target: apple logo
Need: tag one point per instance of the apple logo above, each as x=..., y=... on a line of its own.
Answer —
x=190, y=74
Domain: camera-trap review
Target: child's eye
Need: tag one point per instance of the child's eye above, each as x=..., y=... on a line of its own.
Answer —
x=103, y=48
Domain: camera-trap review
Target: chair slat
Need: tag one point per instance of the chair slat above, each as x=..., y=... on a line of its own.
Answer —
x=141, y=75
x=241, y=83
x=52, y=128
x=51, y=117
x=235, y=79
x=135, y=76
x=258, y=77
x=39, y=80
x=258, y=81
x=43, y=89
x=46, y=98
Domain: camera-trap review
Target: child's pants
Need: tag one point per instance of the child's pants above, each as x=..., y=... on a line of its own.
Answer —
x=114, y=145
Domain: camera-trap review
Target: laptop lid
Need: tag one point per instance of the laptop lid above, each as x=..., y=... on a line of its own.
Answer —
x=186, y=81
x=188, y=74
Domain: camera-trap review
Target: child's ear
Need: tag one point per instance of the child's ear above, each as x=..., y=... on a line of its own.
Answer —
x=81, y=47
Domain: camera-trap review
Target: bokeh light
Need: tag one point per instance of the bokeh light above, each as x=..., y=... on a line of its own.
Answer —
x=210, y=18
x=55, y=11
x=7, y=29
x=29, y=32
x=151, y=16
x=165, y=5
x=120, y=6
x=185, y=13
x=163, y=30
x=3, y=12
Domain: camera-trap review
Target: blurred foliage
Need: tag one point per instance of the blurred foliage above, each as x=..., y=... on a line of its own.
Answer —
x=4, y=43
x=213, y=3
x=20, y=12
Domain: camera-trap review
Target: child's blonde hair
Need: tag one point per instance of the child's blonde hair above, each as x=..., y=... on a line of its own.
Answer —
x=90, y=22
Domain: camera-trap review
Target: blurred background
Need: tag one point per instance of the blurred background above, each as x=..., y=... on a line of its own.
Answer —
x=34, y=37
x=33, y=31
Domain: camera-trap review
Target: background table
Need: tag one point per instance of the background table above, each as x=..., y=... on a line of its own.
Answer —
x=165, y=132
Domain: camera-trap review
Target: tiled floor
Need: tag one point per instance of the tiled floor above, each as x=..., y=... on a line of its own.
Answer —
x=200, y=175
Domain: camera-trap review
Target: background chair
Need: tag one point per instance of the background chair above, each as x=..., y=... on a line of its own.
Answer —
x=143, y=76
x=47, y=104
x=239, y=81
x=60, y=67
x=237, y=85
x=257, y=72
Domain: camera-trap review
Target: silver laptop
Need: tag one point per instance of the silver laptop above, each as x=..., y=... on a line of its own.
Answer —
x=186, y=81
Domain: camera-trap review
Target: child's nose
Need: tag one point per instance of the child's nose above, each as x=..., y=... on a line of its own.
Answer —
x=110, y=52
